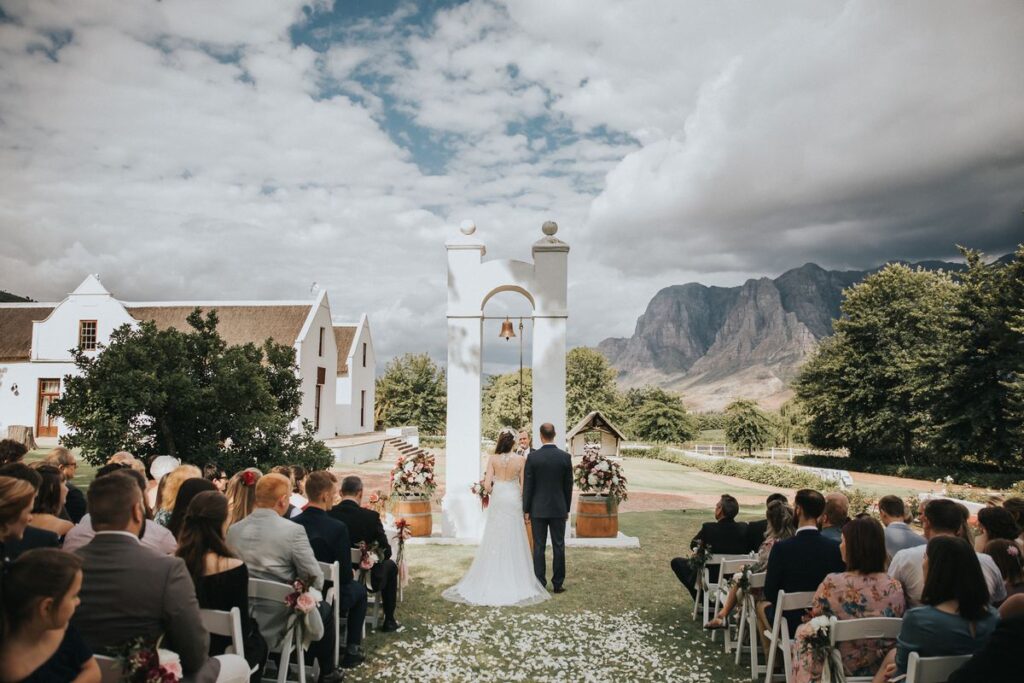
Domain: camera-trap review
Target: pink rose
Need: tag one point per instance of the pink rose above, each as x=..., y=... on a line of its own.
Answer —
x=306, y=603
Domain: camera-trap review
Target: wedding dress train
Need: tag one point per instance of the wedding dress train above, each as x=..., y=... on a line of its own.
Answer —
x=502, y=571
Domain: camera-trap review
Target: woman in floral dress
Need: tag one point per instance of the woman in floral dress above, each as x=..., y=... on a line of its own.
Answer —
x=863, y=590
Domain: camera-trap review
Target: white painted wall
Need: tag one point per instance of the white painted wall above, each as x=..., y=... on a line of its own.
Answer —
x=307, y=352
x=359, y=378
x=20, y=408
x=54, y=337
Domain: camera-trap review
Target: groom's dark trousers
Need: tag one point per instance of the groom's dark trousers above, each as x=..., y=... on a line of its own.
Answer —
x=540, y=542
x=547, y=495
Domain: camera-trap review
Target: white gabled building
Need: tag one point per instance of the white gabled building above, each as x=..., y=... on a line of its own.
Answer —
x=36, y=341
x=357, y=377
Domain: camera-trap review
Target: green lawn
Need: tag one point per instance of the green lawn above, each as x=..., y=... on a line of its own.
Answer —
x=623, y=617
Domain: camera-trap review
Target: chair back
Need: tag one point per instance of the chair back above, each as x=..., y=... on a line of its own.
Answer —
x=110, y=669
x=933, y=669
x=868, y=627
x=757, y=580
x=269, y=590
x=229, y=623
x=734, y=566
x=332, y=572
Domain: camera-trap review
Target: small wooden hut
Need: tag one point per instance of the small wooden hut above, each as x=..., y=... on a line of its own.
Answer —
x=589, y=428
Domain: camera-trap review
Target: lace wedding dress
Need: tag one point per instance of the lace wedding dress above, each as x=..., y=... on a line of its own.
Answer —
x=502, y=571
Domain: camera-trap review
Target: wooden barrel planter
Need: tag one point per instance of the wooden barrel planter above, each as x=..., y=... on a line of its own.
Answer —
x=597, y=517
x=416, y=511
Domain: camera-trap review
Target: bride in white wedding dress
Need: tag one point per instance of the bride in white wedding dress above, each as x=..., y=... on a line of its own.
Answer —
x=502, y=571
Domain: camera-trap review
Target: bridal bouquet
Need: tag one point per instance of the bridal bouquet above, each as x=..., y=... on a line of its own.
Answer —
x=141, y=663
x=820, y=647
x=480, y=492
x=597, y=474
x=413, y=476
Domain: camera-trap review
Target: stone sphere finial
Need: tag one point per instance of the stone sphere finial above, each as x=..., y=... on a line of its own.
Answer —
x=467, y=227
x=549, y=228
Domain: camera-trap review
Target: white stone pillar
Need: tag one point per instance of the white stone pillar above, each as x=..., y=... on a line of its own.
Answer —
x=551, y=315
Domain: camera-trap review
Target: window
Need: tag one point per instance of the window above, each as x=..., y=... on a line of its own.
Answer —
x=364, y=354
x=362, y=408
x=87, y=335
x=316, y=408
x=321, y=352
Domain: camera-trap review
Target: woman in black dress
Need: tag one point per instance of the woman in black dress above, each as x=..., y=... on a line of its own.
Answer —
x=221, y=579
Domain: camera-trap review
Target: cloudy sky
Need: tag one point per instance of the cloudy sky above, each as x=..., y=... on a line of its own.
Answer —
x=186, y=149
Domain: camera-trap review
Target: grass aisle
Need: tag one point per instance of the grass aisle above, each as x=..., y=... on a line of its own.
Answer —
x=623, y=618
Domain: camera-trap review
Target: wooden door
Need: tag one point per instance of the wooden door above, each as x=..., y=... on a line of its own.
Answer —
x=49, y=389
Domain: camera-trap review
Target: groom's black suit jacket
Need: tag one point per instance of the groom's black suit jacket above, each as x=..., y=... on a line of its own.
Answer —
x=547, y=483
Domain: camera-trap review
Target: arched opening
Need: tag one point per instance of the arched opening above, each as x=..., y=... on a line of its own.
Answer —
x=506, y=398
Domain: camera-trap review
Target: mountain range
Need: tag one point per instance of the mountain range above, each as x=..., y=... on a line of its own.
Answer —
x=717, y=344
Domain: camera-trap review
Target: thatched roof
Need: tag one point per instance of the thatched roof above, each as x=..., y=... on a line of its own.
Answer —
x=344, y=335
x=16, y=330
x=595, y=422
x=236, y=324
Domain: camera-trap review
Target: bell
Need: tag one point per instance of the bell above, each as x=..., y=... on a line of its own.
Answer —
x=506, y=330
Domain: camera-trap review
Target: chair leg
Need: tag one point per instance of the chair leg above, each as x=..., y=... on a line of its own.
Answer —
x=696, y=601
x=771, y=662
x=739, y=631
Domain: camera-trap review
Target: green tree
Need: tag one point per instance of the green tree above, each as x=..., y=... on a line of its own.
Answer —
x=748, y=427
x=412, y=391
x=791, y=424
x=867, y=388
x=188, y=394
x=501, y=402
x=590, y=385
x=664, y=419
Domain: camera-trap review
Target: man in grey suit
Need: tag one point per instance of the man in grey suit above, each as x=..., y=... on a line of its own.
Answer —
x=276, y=549
x=547, y=496
x=898, y=535
x=130, y=590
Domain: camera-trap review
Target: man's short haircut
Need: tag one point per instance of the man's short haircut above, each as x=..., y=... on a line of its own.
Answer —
x=730, y=506
x=12, y=451
x=60, y=456
x=110, y=468
x=270, y=488
x=776, y=497
x=837, y=509
x=892, y=506
x=547, y=431
x=111, y=499
x=18, y=470
x=811, y=502
x=944, y=515
x=351, y=485
x=319, y=483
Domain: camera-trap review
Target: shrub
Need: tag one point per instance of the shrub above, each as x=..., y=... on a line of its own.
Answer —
x=981, y=474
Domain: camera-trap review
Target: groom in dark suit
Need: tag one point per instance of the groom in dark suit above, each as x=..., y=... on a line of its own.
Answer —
x=547, y=495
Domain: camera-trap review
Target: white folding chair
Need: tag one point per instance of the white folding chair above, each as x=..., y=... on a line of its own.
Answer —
x=110, y=669
x=726, y=570
x=221, y=623
x=859, y=629
x=373, y=600
x=332, y=573
x=273, y=591
x=932, y=669
x=778, y=637
x=748, y=626
x=705, y=589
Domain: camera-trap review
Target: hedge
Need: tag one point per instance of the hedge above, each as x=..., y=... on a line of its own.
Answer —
x=986, y=476
x=432, y=441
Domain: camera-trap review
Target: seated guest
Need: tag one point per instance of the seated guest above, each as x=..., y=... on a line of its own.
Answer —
x=131, y=591
x=941, y=517
x=189, y=490
x=780, y=527
x=40, y=593
x=956, y=617
x=12, y=451
x=995, y=523
x=898, y=535
x=757, y=530
x=241, y=494
x=275, y=549
x=836, y=515
x=169, y=494
x=1015, y=506
x=863, y=590
x=50, y=502
x=153, y=535
x=156, y=476
x=214, y=474
x=801, y=563
x=330, y=542
x=221, y=579
x=999, y=658
x=16, y=499
x=298, y=499
x=725, y=536
x=67, y=462
x=364, y=526
x=1007, y=556
x=28, y=537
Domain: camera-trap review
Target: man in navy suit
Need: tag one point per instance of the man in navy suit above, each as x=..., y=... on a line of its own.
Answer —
x=724, y=536
x=547, y=496
x=800, y=563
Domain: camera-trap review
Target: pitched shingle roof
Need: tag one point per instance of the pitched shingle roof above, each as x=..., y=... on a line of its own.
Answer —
x=16, y=330
x=343, y=337
x=236, y=324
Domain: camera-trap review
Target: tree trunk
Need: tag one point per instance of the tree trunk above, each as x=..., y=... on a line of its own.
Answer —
x=22, y=434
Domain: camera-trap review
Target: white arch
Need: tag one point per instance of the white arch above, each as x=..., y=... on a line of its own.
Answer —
x=472, y=282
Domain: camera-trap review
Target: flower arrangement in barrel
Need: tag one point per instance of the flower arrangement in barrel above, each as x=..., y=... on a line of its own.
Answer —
x=596, y=474
x=413, y=476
